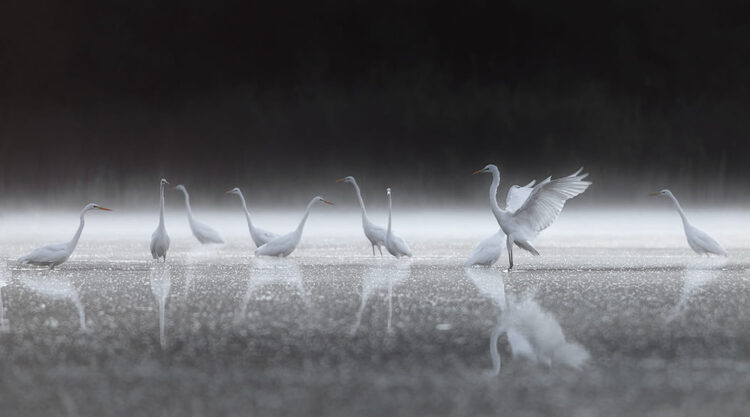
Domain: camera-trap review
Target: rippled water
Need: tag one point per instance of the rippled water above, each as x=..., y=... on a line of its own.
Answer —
x=609, y=321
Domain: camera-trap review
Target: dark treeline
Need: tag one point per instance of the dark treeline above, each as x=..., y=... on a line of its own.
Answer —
x=104, y=97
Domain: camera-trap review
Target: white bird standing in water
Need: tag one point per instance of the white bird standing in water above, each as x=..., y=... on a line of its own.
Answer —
x=201, y=231
x=538, y=212
x=489, y=250
x=259, y=236
x=160, y=238
x=284, y=245
x=375, y=234
x=57, y=253
x=395, y=245
x=699, y=241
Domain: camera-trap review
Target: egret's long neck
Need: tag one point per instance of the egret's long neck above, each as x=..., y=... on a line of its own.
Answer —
x=74, y=241
x=496, y=210
x=187, y=203
x=390, y=208
x=679, y=209
x=247, y=213
x=161, y=206
x=304, y=218
x=361, y=202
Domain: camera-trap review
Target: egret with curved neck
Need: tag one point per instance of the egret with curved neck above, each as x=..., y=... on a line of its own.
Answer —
x=700, y=242
x=284, y=245
x=203, y=232
x=260, y=236
x=375, y=234
x=394, y=244
x=160, y=238
x=57, y=253
x=538, y=212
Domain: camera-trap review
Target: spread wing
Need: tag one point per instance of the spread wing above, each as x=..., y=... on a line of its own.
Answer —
x=517, y=196
x=547, y=199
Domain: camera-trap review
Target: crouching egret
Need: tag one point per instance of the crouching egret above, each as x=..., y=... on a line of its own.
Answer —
x=57, y=253
x=489, y=250
x=395, y=245
x=160, y=238
x=538, y=212
x=698, y=240
x=259, y=236
x=284, y=245
x=375, y=234
x=202, y=232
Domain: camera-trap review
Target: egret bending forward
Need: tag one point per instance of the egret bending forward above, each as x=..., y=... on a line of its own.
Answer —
x=56, y=254
x=538, y=212
x=202, y=232
x=395, y=245
x=698, y=240
x=284, y=245
x=259, y=236
x=375, y=234
x=160, y=238
x=489, y=250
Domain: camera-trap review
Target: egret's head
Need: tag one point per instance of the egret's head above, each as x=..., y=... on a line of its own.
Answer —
x=92, y=206
x=662, y=192
x=348, y=179
x=235, y=191
x=320, y=199
x=487, y=169
x=181, y=188
x=164, y=182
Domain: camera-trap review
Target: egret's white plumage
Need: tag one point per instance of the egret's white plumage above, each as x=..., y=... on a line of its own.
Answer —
x=57, y=253
x=489, y=250
x=201, y=231
x=284, y=245
x=699, y=241
x=160, y=238
x=539, y=211
x=395, y=245
x=260, y=236
x=375, y=234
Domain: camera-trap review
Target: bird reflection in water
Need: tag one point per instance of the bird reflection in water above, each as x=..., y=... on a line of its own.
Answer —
x=4, y=327
x=381, y=277
x=270, y=271
x=697, y=275
x=55, y=287
x=161, y=282
x=533, y=333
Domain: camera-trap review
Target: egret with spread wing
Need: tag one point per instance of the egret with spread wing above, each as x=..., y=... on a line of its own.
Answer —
x=284, y=245
x=395, y=245
x=489, y=250
x=375, y=234
x=699, y=241
x=538, y=212
x=57, y=253
x=202, y=232
x=160, y=238
x=259, y=236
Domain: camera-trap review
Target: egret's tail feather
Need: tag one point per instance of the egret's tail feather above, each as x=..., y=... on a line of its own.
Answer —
x=527, y=246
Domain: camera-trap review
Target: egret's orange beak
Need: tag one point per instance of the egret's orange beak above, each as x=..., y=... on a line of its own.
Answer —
x=341, y=180
x=328, y=202
x=653, y=194
x=229, y=192
x=104, y=208
x=481, y=171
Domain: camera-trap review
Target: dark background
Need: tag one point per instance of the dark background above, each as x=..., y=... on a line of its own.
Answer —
x=101, y=98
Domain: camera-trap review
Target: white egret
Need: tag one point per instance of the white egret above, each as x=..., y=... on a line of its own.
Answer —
x=489, y=250
x=375, y=234
x=538, y=212
x=160, y=238
x=395, y=245
x=259, y=236
x=202, y=232
x=284, y=245
x=699, y=241
x=57, y=253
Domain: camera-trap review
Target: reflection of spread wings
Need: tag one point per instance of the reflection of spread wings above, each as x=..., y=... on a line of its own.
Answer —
x=547, y=199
